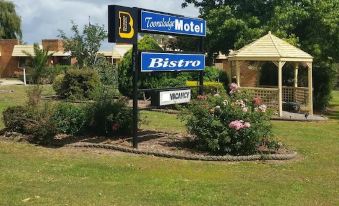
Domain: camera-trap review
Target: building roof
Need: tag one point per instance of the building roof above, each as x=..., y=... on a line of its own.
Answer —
x=105, y=53
x=119, y=50
x=60, y=53
x=270, y=48
x=24, y=50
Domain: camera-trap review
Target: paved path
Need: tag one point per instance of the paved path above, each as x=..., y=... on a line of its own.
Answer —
x=300, y=117
x=4, y=82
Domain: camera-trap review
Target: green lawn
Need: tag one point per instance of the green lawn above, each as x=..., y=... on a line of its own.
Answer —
x=81, y=177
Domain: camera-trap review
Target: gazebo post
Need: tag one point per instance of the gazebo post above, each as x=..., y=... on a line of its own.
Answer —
x=237, y=70
x=295, y=82
x=296, y=75
x=310, y=88
x=280, y=65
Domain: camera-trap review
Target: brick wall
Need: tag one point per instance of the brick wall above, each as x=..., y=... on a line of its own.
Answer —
x=248, y=78
x=8, y=64
x=53, y=44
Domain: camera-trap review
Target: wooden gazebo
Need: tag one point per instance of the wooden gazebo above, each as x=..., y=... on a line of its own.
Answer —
x=270, y=48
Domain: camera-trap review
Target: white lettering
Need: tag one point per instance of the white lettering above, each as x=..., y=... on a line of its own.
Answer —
x=156, y=61
x=196, y=63
x=181, y=63
x=179, y=25
x=172, y=24
x=186, y=27
x=197, y=28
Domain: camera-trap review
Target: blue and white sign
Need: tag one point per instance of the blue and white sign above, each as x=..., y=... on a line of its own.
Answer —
x=171, y=62
x=165, y=23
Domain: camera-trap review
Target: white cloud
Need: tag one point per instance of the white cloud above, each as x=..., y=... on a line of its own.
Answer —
x=42, y=19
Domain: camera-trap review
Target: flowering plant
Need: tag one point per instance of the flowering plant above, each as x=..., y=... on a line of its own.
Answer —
x=236, y=124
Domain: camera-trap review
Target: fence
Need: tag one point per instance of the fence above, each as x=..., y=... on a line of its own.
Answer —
x=270, y=95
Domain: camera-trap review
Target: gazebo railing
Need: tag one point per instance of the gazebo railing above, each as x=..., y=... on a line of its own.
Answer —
x=296, y=94
x=269, y=96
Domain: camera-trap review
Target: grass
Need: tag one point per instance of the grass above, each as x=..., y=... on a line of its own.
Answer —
x=95, y=177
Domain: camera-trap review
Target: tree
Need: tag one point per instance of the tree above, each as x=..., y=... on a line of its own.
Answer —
x=309, y=24
x=84, y=46
x=10, y=22
x=39, y=63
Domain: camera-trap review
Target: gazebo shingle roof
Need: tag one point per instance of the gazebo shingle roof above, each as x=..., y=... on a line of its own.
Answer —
x=270, y=48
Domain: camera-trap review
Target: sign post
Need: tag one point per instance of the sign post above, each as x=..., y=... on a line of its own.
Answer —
x=135, y=95
x=124, y=23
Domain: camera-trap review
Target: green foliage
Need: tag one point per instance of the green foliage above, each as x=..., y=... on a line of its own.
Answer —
x=39, y=63
x=69, y=118
x=84, y=46
x=109, y=115
x=323, y=83
x=57, y=83
x=34, y=95
x=223, y=125
x=34, y=121
x=15, y=118
x=209, y=88
x=77, y=84
x=52, y=72
x=183, y=43
x=108, y=73
x=10, y=22
x=310, y=25
x=150, y=80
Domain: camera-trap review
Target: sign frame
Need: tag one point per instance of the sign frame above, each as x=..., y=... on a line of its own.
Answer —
x=113, y=36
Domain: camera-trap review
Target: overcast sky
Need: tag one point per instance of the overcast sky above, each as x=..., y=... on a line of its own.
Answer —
x=41, y=19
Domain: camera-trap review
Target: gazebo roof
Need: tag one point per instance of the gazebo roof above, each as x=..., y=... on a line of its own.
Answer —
x=270, y=48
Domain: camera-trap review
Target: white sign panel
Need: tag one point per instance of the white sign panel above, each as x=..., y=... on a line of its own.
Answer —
x=175, y=97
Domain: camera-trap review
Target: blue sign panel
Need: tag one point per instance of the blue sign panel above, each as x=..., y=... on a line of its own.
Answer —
x=164, y=23
x=171, y=62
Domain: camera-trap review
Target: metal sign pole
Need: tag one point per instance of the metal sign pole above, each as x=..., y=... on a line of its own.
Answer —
x=201, y=73
x=135, y=95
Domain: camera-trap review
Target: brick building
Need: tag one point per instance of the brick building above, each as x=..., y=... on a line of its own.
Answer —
x=14, y=55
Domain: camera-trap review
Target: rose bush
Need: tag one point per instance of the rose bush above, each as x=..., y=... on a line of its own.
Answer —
x=236, y=124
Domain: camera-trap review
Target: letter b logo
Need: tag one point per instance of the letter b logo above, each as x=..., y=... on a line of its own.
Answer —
x=126, y=29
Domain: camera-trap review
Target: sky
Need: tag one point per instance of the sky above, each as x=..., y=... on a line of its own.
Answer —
x=41, y=19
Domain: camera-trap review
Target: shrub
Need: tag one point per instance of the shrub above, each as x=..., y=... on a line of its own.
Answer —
x=110, y=116
x=78, y=84
x=34, y=95
x=52, y=72
x=209, y=87
x=211, y=74
x=33, y=121
x=57, y=83
x=15, y=118
x=108, y=73
x=69, y=118
x=228, y=125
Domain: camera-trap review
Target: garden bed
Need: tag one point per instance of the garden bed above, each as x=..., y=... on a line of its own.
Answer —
x=160, y=144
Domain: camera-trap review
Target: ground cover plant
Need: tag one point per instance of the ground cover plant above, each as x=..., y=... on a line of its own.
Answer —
x=34, y=175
